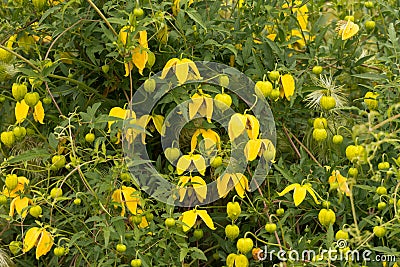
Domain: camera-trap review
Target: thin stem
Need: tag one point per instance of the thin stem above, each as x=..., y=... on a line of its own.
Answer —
x=102, y=16
x=19, y=56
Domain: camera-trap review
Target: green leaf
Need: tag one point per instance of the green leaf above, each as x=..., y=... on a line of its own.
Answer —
x=30, y=155
x=329, y=237
x=196, y=17
x=198, y=254
x=183, y=253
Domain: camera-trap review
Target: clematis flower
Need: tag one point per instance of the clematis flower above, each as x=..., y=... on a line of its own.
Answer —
x=211, y=139
x=202, y=104
x=40, y=238
x=259, y=147
x=240, y=123
x=144, y=222
x=139, y=53
x=18, y=189
x=198, y=185
x=239, y=180
x=126, y=196
x=182, y=68
x=346, y=29
x=22, y=110
x=336, y=177
x=19, y=204
x=301, y=12
x=189, y=219
x=122, y=114
x=300, y=192
x=287, y=86
x=142, y=122
x=191, y=162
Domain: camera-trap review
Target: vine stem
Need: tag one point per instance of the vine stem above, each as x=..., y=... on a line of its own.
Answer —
x=264, y=242
x=102, y=16
x=20, y=57
x=353, y=209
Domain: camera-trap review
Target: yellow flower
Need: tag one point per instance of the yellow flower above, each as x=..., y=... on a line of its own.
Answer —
x=139, y=54
x=144, y=222
x=124, y=34
x=189, y=219
x=199, y=186
x=240, y=123
x=341, y=180
x=300, y=192
x=142, y=122
x=190, y=162
x=287, y=86
x=19, y=204
x=300, y=43
x=17, y=190
x=347, y=29
x=40, y=238
x=239, y=180
x=182, y=68
x=202, y=104
x=211, y=140
x=301, y=12
x=22, y=109
x=126, y=196
x=259, y=147
x=122, y=114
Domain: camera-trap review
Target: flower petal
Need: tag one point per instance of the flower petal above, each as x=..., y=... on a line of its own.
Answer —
x=241, y=183
x=167, y=67
x=183, y=180
x=312, y=192
x=21, y=111
x=195, y=105
x=200, y=163
x=299, y=194
x=189, y=219
x=200, y=187
x=158, y=121
x=131, y=198
x=181, y=72
x=222, y=185
x=193, y=142
x=236, y=126
x=30, y=239
x=252, y=126
x=183, y=164
x=206, y=218
x=45, y=243
x=252, y=148
x=38, y=113
x=288, y=188
x=288, y=85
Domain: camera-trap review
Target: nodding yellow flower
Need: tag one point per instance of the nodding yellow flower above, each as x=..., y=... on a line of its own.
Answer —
x=191, y=162
x=139, y=53
x=144, y=222
x=239, y=180
x=211, y=140
x=19, y=204
x=22, y=110
x=240, y=123
x=198, y=185
x=40, y=238
x=346, y=29
x=300, y=192
x=142, y=122
x=126, y=196
x=184, y=69
x=202, y=104
x=287, y=86
x=336, y=177
x=18, y=189
x=259, y=147
x=122, y=114
x=189, y=219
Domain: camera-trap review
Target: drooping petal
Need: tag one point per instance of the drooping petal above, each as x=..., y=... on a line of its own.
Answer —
x=310, y=190
x=181, y=72
x=45, y=243
x=350, y=29
x=252, y=148
x=222, y=185
x=144, y=222
x=206, y=219
x=128, y=68
x=193, y=142
x=38, y=113
x=200, y=187
x=139, y=58
x=189, y=219
x=288, y=85
x=172, y=62
x=194, y=106
x=193, y=67
x=183, y=180
x=158, y=121
x=131, y=198
x=299, y=195
x=21, y=111
x=241, y=183
x=209, y=108
x=236, y=126
x=117, y=197
x=31, y=238
x=252, y=126
x=288, y=189
x=116, y=112
x=200, y=163
x=183, y=164
x=19, y=204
